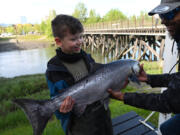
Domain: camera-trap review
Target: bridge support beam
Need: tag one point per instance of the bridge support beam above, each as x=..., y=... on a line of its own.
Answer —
x=147, y=47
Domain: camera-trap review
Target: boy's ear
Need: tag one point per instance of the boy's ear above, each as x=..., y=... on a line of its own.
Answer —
x=58, y=41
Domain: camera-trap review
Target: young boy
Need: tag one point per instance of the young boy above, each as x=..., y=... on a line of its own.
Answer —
x=70, y=65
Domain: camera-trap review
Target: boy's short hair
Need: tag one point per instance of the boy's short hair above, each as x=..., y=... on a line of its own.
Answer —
x=62, y=24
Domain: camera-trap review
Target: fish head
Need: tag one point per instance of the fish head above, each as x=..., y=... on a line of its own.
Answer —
x=136, y=68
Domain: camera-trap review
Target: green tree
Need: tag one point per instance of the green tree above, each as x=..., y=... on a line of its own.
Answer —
x=80, y=12
x=45, y=26
x=19, y=29
x=93, y=17
x=114, y=14
x=37, y=28
x=10, y=29
x=144, y=15
x=132, y=18
x=27, y=28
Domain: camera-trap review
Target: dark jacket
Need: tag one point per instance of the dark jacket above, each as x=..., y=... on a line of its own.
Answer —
x=59, y=78
x=166, y=102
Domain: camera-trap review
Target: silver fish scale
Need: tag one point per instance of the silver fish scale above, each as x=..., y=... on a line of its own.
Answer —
x=93, y=88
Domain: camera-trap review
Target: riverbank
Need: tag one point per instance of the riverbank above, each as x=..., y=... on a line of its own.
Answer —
x=24, y=43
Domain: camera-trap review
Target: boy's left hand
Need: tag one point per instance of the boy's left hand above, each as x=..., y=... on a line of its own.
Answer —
x=67, y=105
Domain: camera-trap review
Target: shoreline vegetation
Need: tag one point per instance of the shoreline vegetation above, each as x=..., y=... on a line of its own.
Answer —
x=13, y=120
x=25, y=42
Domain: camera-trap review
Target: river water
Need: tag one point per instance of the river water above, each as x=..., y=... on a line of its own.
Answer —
x=25, y=62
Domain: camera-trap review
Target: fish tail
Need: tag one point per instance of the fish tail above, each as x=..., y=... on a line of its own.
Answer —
x=37, y=112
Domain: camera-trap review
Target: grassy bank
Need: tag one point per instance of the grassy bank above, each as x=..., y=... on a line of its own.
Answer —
x=13, y=120
x=25, y=43
x=6, y=38
x=41, y=38
x=34, y=38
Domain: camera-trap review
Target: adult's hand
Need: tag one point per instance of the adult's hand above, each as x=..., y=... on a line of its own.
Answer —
x=67, y=105
x=142, y=74
x=116, y=94
x=125, y=84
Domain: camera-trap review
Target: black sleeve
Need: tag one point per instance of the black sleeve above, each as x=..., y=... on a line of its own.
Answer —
x=158, y=80
x=161, y=80
x=166, y=102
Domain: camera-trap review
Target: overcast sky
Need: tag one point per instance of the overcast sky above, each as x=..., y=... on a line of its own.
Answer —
x=36, y=10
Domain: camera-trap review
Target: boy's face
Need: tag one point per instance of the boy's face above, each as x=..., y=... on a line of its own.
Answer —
x=70, y=44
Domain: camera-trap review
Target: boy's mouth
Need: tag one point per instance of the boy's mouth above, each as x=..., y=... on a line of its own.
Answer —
x=77, y=48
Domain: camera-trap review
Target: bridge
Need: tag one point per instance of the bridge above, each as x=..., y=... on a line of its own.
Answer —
x=141, y=40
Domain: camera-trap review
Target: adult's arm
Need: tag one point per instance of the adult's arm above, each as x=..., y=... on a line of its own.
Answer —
x=166, y=102
x=159, y=80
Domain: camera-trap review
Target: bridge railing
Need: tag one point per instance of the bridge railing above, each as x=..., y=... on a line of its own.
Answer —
x=126, y=24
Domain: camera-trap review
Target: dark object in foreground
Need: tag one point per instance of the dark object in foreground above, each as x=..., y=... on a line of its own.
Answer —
x=129, y=124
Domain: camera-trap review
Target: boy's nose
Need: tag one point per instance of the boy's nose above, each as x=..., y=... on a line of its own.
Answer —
x=79, y=41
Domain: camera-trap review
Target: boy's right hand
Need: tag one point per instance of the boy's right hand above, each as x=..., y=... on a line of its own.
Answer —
x=66, y=105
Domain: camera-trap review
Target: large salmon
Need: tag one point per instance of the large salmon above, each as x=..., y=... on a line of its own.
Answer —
x=88, y=90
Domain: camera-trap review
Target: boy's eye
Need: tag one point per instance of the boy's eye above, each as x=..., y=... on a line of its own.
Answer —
x=73, y=39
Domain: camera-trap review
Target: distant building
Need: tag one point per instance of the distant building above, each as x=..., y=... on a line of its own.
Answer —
x=23, y=20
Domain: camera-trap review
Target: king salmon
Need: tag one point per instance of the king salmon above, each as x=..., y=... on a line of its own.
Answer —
x=90, y=89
